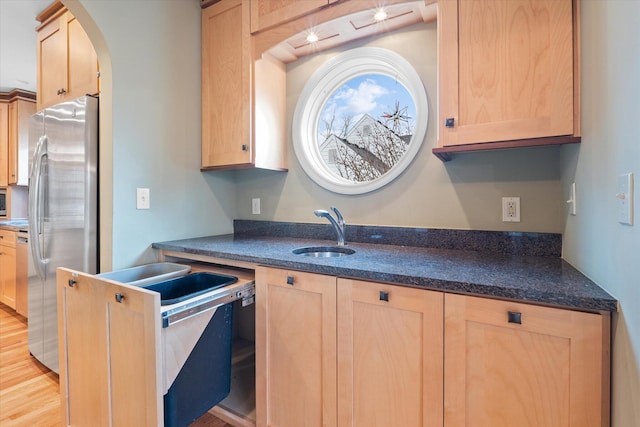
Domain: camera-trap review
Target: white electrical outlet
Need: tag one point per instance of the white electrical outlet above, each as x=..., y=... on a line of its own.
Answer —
x=142, y=198
x=511, y=209
x=255, y=206
x=625, y=199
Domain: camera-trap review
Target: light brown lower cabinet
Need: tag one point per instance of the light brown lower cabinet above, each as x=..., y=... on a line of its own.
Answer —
x=339, y=352
x=295, y=349
x=389, y=355
x=8, y=268
x=343, y=352
x=109, y=337
x=513, y=364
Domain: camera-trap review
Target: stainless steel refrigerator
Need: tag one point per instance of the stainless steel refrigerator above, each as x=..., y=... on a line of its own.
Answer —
x=63, y=211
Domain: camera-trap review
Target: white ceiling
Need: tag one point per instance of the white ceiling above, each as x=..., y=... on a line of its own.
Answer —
x=18, y=43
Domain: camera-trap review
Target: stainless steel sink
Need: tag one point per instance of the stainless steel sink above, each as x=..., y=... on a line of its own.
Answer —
x=324, y=251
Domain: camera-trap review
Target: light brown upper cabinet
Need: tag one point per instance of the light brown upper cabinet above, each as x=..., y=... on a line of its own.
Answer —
x=16, y=107
x=20, y=110
x=268, y=13
x=513, y=364
x=508, y=73
x=243, y=98
x=4, y=144
x=66, y=61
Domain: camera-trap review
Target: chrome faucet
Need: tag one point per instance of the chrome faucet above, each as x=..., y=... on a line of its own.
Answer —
x=338, y=225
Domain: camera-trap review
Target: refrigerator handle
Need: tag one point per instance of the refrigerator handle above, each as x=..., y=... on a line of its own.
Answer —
x=35, y=191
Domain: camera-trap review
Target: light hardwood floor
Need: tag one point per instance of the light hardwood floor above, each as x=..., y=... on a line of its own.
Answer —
x=28, y=390
x=29, y=393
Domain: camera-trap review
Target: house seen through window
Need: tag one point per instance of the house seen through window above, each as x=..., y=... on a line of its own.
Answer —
x=366, y=126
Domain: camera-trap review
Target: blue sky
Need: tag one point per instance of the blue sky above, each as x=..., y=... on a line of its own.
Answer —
x=374, y=94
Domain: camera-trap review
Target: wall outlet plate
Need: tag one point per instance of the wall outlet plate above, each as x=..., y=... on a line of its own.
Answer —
x=511, y=209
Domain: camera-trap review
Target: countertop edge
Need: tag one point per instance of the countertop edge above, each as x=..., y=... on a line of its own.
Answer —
x=602, y=303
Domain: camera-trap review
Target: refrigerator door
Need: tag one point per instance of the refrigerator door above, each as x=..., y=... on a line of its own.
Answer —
x=64, y=205
x=35, y=290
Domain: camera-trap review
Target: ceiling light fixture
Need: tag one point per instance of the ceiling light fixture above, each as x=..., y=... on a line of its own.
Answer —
x=380, y=14
x=312, y=37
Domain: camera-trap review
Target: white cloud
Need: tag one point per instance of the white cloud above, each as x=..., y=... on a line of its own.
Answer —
x=363, y=99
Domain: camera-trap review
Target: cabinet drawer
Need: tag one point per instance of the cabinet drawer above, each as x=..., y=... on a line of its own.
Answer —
x=8, y=238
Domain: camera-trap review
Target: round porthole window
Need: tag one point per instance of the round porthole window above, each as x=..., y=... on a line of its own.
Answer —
x=360, y=120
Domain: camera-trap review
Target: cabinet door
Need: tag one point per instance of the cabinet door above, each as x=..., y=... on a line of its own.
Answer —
x=512, y=364
x=505, y=70
x=4, y=144
x=8, y=275
x=389, y=355
x=19, y=113
x=268, y=13
x=83, y=61
x=226, y=85
x=67, y=62
x=109, y=352
x=295, y=349
x=51, y=53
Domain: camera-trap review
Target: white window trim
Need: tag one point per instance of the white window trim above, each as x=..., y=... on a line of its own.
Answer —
x=323, y=83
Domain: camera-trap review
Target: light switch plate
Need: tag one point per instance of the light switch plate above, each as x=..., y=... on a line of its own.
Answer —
x=624, y=196
x=255, y=206
x=572, y=199
x=142, y=198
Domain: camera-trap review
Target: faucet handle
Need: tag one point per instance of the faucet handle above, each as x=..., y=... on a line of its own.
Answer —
x=338, y=215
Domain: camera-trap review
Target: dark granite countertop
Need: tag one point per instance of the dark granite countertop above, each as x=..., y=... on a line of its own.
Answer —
x=547, y=280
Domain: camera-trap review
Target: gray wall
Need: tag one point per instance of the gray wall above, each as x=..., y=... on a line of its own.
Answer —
x=150, y=128
x=605, y=250
x=465, y=193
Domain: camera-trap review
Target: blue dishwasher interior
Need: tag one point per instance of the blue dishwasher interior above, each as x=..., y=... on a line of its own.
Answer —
x=182, y=288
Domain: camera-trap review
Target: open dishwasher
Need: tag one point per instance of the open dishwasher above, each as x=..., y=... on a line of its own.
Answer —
x=160, y=352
